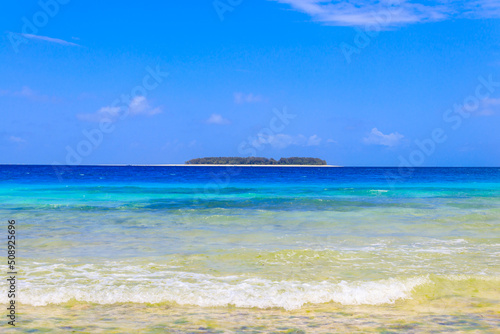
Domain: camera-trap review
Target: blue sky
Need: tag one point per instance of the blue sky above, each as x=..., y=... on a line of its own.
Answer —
x=358, y=83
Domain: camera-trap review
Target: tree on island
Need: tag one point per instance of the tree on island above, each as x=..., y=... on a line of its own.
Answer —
x=255, y=161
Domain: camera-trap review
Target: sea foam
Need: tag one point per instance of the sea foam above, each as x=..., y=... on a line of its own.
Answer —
x=206, y=290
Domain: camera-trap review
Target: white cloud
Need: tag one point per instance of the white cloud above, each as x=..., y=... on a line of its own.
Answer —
x=138, y=106
x=487, y=107
x=482, y=8
x=392, y=13
x=217, y=119
x=105, y=113
x=176, y=145
x=240, y=98
x=49, y=39
x=17, y=140
x=277, y=141
x=376, y=137
x=282, y=140
x=111, y=111
x=314, y=140
x=27, y=93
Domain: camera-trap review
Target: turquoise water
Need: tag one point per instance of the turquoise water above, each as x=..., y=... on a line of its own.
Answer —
x=254, y=237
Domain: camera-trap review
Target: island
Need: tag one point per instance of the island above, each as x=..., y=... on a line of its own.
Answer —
x=255, y=161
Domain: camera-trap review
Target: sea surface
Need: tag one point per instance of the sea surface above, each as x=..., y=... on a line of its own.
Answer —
x=128, y=249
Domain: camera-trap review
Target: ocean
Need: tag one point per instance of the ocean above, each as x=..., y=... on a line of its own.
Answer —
x=154, y=249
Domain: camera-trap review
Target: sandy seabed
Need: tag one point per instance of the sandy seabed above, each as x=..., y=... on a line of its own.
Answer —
x=444, y=315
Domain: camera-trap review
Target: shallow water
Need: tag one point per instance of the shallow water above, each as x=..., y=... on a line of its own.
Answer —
x=210, y=249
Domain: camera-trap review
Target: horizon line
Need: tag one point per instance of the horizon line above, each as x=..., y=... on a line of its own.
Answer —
x=230, y=165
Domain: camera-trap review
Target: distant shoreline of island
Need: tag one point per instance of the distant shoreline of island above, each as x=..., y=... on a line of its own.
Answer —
x=172, y=165
x=257, y=161
x=227, y=165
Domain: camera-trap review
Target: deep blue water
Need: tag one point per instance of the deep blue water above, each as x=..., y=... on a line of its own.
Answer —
x=152, y=174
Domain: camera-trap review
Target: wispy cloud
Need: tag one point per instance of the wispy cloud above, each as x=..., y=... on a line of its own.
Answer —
x=28, y=93
x=486, y=107
x=49, y=39
x=105, y=113
x=138, y=106
x=482, y=8
x=17, y=140
x=376, y=137
x=217, y=119
x=392, y=13
x=176, y=145
x=314, y=140
x=240, y=98
x=282, y=140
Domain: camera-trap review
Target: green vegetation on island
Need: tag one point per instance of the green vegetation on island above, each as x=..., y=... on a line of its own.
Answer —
x=255, y=161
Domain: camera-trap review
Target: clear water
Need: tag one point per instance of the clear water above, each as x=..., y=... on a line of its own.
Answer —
x=274, y=242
